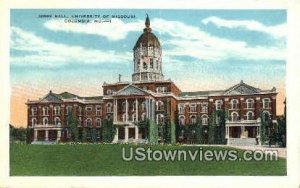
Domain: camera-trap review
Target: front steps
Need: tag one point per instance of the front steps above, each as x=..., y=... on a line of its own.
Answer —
x=242, y=141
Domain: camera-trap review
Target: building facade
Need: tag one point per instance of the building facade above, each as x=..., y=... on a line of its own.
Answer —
x=150, y=96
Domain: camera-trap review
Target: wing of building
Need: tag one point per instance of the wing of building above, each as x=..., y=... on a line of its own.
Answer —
x=150, y=96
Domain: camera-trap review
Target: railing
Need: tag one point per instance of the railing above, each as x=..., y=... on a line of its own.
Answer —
x=47, y=126
x=243, y=121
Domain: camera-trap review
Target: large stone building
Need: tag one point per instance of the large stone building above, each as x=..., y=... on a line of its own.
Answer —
x=150, y=96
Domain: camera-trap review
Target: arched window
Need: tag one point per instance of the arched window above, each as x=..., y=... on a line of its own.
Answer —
x=181, y=120
x=33, y=122
x=250, y=103
x=89, y=122
x=234, y=104
x=143, y=116
x=109, y=107
x=45, y=111
x=98, y=122
x=134, y=117
x=266, y=103
x=234, y=116
x=266, y=115
x=45, y=121
x=144, y=65
x=204, y=119
x=57, y=121
x=143, y=105
x=98, y=110
x=160, y=119
x=250, y=115
x=69, y=109
x=193, y=119
x=124, y=117
x=108, y=117
x=180, y=108
x=57, y=110
x=218, y=104
x=159, y=105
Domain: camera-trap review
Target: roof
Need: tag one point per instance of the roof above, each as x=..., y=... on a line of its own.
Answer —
x=238, y=89
x=147, y=38
x=130, y=90
x=66, y=96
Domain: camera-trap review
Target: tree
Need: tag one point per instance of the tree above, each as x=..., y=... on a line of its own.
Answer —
x=109, y=131
x=211, y=128
x=265, y=128
x=72, y=122
x=84, y=135
x=153, y=132
x=173, y=133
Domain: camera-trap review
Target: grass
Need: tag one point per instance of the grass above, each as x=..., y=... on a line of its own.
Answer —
x=106, y=160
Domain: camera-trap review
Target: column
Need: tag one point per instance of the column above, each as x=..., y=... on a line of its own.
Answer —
x=126, y=133
x=58, y=135
x=227, y=132
x=153, y=110
x=136, y=109
x=126, y=111
x=136, y=132
x=116, y=138
x=114, y=119
x=146, y=105
x=116, y=110
x=46, y=135
x=35, y=135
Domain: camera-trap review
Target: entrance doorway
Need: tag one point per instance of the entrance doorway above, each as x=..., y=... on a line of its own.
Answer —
x=121, y=133
x=234, y=132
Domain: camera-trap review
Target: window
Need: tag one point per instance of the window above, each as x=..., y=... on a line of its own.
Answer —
x=124, y=106
x=45, y=121
x=33, y=122
x=143, y=116
x=69, y=109
x=80, y=110
x=204, y=119
x=204, y=108
x=250, y=115
x=157, y=65
x=143, y=105
x=98, y=122
x=193, y=107
x=134, y=106
x=98, y=110
x=234, y=116
x=266, y=103
x=79, y=122
x=266, y=116
x=218, y=104
x=34, y=111
x=159, y=105
x=181, y=108
x=160, y=119
x=181, y=120
x=234, y=104
x=108, y=92
x=134, y=117
x=124, y=117
x=193, y=119
x=56, y=110
x=89, y=122
x=88, y=110
x=250, y=103
x=144, y=65
x=57, y=121
x=45, y=111
x=151, y=63
x=109, y=107
x=161, y=89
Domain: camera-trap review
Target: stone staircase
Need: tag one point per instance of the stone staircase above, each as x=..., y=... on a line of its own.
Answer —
x=241, y=141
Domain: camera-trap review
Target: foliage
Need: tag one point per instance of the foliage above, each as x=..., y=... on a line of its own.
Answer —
x=265, y=128
x=217, y=127
x=145, y=126
x=72, y=122
x=18, y=134
x=173, y=133
x=108, y=131
x=153, y=132
x=84, y=135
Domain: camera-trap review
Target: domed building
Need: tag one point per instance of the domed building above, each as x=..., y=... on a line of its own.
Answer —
x=150, y=97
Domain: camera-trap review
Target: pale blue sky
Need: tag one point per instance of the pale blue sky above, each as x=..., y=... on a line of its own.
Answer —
x=209, y=48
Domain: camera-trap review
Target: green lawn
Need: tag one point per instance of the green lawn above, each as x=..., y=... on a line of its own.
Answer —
x=106, y=160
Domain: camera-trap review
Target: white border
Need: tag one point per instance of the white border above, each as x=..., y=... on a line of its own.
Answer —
x=293, y=102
